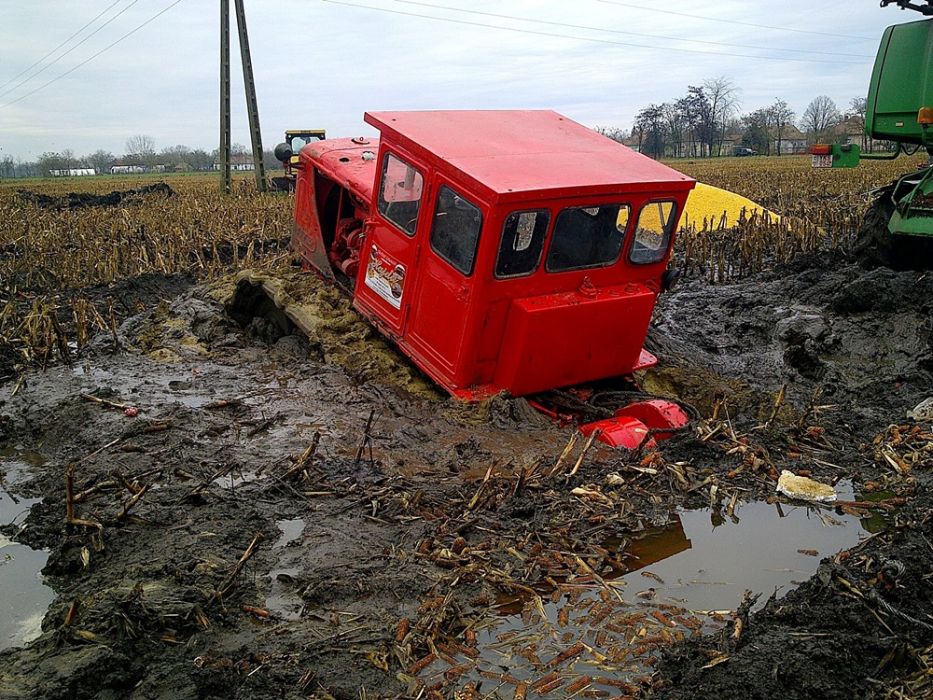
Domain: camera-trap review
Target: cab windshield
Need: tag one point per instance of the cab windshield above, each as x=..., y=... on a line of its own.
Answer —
x=587, y=237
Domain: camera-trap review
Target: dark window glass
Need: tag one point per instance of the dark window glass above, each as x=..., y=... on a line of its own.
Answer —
x=587, y=237
x=455, y=233
x=400, y=193
x=522, y=240
x=653, y=233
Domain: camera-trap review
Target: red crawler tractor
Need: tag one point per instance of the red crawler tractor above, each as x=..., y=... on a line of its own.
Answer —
x=503, y=252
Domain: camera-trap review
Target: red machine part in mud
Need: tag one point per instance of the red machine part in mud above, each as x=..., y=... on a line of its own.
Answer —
x=640, y=424
x=344, y=253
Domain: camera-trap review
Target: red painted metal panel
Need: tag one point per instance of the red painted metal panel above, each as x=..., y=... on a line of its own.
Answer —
x=307, y=237
x=569, y=338
x=345, y=161
x=514, y=153
x=388, y=274
x=620, y=431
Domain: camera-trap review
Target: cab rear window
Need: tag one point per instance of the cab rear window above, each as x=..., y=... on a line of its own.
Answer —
x=455, y=232
x=587, y=237
x=653, y=233
x=522, y=241
x=400, y=193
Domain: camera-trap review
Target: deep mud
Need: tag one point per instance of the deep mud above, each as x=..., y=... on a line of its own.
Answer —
x=83, y=200
x=394, y=522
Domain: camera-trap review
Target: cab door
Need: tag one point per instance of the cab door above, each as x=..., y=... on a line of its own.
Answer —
x=388, y=259
x=446, y=285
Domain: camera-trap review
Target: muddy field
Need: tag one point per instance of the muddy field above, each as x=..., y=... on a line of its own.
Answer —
x=222, y=507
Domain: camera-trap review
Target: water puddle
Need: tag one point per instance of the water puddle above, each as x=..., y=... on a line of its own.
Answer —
x=282, y=599
x=24, y=597
x=605, y=633
x=291, y=531
x=233, y=479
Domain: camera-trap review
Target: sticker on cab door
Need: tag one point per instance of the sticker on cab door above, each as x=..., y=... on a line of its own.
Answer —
x=385, y=277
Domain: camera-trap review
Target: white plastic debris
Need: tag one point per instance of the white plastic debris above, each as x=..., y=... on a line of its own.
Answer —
x=922, y=411
x=805, y=489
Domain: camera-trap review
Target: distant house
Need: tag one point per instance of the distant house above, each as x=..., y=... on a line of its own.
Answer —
x=793, y=141
x=72, y=172
x=237, y=166
x=731, y=141
x=852, y=130
x=127, y=169
x=239, y=162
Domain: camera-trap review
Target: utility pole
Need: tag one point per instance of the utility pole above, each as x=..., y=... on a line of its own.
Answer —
x=224, y=152
x=251, y=106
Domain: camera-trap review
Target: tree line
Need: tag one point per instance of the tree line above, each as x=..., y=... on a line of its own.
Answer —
x=140, y=151
x=707, y=122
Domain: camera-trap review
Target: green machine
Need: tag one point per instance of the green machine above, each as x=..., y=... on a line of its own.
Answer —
x=899, y=109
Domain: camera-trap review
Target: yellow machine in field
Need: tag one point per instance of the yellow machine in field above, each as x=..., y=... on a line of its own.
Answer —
x=287, y=154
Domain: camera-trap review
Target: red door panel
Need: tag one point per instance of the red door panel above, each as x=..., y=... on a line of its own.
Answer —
x=387, y=276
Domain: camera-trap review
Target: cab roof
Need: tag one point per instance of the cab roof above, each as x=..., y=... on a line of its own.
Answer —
x=511, y=153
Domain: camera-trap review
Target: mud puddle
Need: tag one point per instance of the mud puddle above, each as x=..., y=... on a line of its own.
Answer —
x=671, y=584
x=24, y=597
x=281, y=599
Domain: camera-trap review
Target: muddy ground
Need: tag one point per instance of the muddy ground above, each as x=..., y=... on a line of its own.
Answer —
x=293, y=517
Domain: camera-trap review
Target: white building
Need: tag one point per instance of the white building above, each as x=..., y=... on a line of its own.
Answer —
x=125, y=169
x=72, y=172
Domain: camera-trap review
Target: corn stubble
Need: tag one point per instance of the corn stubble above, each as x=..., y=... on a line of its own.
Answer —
x=819, y=209
x=49, y=257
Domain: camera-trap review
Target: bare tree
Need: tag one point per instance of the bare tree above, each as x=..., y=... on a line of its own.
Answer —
x=698, y=114
x=819, y=117
x=859, y=109
x=612, y=132
x=100, y=160
x=200, y=159
x=674, y=116
x=757, y=127
x=650, y=121
x=782, y=116
x=140, y=147
x=49, y=161
x=724, y=102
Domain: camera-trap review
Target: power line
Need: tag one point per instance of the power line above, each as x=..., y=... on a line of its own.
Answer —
x=29, y=68
x=582, y=38
x=49, y=65
x=734, y=21
x=92, y=57
x=620, y=31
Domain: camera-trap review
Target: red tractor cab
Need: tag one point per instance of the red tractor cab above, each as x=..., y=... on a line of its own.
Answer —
x=502, y=251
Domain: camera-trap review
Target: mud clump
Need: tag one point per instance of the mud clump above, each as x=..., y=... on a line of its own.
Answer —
x=84, y=200
x=820, y=324
x=273, y=306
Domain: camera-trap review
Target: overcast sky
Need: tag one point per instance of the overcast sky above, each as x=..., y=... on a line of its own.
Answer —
x=321, y=64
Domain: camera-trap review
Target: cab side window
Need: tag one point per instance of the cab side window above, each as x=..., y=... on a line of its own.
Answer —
x=653, y=233
x=455, y=232
x=522, y=241
x=400, y=193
